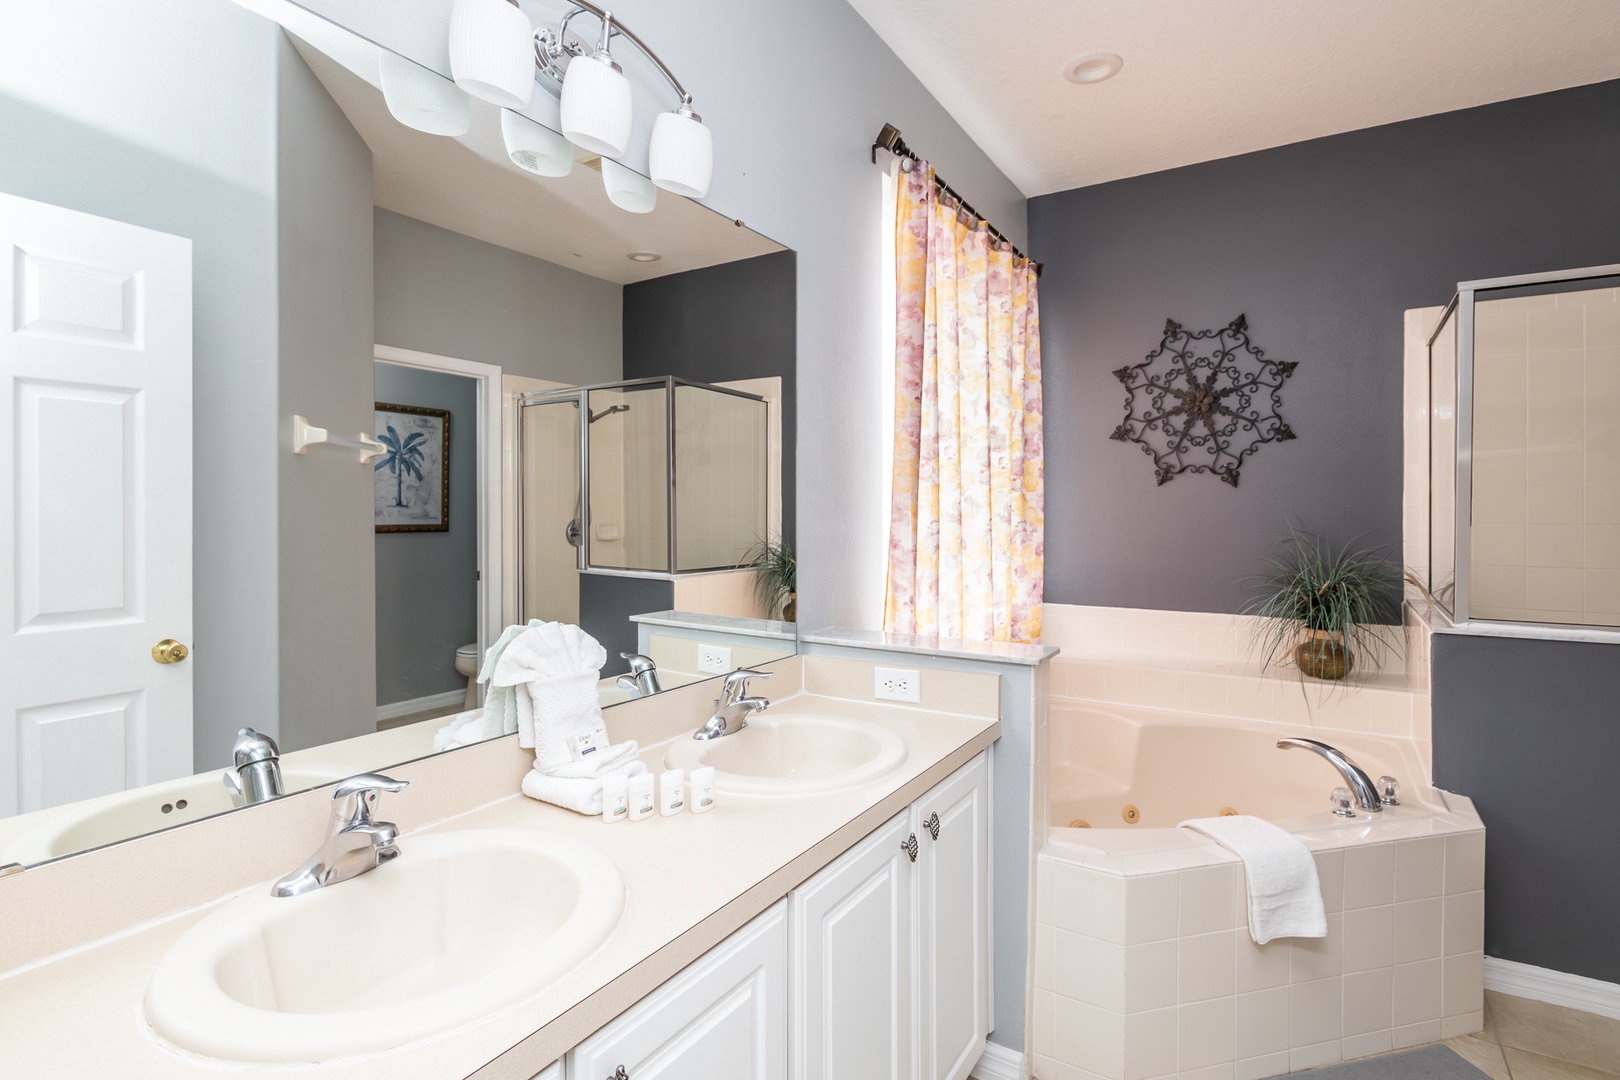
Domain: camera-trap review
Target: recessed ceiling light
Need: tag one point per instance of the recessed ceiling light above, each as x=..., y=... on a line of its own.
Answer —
x=1094, y=67
x=645, y=256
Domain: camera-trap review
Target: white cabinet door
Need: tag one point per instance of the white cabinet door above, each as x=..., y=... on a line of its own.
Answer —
x=95, y=505
x=723, y=1018
x=853, y=1013
x=952, y=823
x=554, y=1071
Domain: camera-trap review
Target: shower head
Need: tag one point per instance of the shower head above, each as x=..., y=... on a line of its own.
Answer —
x=609, y=412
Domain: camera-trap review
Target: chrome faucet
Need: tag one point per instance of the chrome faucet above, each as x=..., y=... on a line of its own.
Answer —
x=732, y=710
x=255, y=775
x=643, y=678
x=1359, y=783
x=355, y=844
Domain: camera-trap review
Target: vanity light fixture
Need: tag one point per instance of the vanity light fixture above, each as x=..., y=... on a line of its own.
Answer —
x=535, y=147
x=596, y=110
x=1094, y=67
x=423, y=99
x=490, y=52
x=628, y=189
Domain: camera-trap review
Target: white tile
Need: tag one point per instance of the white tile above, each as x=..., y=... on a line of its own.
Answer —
x=1498, y=587
x=1315, y=1012
x=1209, y=898
x=1557, y=502
x=1417, y=930
x=1261, y=1023
x=1464, y=927
x=1206, y=966
x=1465, y=862
x=1602, y=501
x=1045, y=956
x=1553, y=589
x=1204, y=1034
x=1151, y=975
x=1600, y=458
x=1417, y=992
x=1090, y=902
x=1368, y=1002
x=1301, y=1058
x=1602, y=590
x=1222, y=1071
x=1501, y=503
x=1419, y=868
x=1330, y=872
x=1558, y=457
x=1499, y=545
x=1148, y=1045
x=1556, y=328
x=1601, y=418
x=1091, y=1038
x=1360, y=1046
x=1427, y=1031
x=1602, y=327
x=1368, y=938
x=1369, y=875
x=1462, y=983
x=1602, y=370
x=1553, y=545
x=1259, y=967
x=1090, y=970
x=1550, y=416
x=1261, y=1068
x=1452, y=1027
x=1152, y=907
x=1045, y=1022
x=1502, y=418
x=1318, y=958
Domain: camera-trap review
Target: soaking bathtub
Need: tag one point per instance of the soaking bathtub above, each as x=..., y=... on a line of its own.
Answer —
x=1143, y=963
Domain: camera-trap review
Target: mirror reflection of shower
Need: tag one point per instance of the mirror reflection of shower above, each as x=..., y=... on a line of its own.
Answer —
x=573, y=533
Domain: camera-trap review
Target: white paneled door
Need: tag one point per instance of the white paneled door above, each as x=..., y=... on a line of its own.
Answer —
x=95, y=559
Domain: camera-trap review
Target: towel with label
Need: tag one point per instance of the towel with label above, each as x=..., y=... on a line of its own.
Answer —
x=1285, y=894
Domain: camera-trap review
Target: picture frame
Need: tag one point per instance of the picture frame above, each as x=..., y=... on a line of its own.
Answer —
x=411, y=480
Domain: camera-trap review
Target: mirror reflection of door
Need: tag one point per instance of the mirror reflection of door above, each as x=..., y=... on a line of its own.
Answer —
x=552, y=514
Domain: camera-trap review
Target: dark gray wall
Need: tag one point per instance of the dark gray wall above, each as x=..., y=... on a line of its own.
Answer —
x=441, y=292
x=1323, y=244
x=325, y=339
x=1530, y=730
x=606, y=604
x=733, y=321
x=427, y=583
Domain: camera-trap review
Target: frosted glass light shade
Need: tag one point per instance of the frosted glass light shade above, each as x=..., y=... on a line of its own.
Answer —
x=681, y=156
x=628, y=189
x=596, y=107
x=423, y=99
x=535, y=147
x=492, y=52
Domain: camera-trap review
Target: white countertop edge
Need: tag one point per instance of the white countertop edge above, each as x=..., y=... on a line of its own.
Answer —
x=771, y=629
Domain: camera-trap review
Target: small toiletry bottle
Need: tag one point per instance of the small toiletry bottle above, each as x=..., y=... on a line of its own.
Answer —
x=671, y=792
x=641, y=797
x=615, y=798
x=701, y=793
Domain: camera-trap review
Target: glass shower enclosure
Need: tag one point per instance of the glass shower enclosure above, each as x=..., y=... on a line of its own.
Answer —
x=1524, y=453
x=641, y=478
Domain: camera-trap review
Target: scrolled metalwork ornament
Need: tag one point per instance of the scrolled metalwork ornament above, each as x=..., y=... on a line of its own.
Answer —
x=1203, y=401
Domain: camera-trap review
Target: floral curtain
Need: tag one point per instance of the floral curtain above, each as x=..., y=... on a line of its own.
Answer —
x=966, y=545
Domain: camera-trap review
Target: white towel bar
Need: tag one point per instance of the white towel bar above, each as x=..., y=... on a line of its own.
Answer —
x=306, y=435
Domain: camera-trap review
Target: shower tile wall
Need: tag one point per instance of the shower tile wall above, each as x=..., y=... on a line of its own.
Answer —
x=1546, y=532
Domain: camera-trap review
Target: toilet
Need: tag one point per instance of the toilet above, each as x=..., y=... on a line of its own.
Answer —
x=467, y=664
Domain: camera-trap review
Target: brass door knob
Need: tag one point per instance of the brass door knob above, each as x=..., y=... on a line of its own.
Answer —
x=169, y=651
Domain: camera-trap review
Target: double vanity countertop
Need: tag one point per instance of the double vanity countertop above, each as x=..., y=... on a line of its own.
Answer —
x=690, y=881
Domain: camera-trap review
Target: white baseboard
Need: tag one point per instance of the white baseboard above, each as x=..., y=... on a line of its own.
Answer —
x=998, y=1063
x=450, y=699
x=1553, y=987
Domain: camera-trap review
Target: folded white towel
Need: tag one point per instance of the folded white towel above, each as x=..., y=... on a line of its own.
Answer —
x=500, y=702
x=555, y=668
x=467, y=728
x=1285, y=895
x=581, y=794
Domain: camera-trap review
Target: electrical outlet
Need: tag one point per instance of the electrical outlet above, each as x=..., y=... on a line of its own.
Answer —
x=896, y=684
x=715, y=658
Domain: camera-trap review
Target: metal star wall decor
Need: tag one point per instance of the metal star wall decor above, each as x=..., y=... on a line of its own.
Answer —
x=1211, y=392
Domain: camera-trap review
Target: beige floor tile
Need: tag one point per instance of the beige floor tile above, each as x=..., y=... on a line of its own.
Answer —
x=1489, y=1031
x=1482, y=1054
x=1552, y=1031
x=1528, y=1066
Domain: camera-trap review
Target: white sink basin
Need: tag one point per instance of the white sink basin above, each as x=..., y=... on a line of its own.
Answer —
x=459, y=926
x=794, y=754
x=110, y=818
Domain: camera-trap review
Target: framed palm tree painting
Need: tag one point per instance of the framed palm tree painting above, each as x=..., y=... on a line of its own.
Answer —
x=411, y=480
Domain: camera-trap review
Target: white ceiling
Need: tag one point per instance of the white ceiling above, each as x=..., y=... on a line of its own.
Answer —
x=468, y=185
x=1206, y=79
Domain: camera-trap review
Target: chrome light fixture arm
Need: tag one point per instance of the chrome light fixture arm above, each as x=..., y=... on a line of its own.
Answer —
x=551, y=45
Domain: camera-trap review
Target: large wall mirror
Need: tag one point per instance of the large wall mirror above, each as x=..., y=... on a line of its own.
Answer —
x=303, y=405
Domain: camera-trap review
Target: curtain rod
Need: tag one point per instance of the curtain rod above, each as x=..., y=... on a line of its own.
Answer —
x=889, y=139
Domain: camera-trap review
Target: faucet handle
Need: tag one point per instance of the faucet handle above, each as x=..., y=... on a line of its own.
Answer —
x=353, y=798
x=638, y=662
x=368, y=782
x=735, y=684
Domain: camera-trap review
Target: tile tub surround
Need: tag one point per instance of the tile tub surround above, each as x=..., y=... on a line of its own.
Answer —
x=1145, y=968
x=93, y=926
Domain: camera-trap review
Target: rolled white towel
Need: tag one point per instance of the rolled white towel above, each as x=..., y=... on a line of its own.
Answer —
x=554, y=668
x=467, y=728
x=1285, y=894
x=581, y=794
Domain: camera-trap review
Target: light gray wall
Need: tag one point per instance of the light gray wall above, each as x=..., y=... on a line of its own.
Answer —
x=327, y=649
x=427, y=583
x=116, y=127
x=441, y=292
x=794, y=91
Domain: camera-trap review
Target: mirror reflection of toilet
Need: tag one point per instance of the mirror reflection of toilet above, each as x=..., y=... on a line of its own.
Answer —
x=467, y=664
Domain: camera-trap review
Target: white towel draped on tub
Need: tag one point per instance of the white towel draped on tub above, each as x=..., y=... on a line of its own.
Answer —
x=1285, y=895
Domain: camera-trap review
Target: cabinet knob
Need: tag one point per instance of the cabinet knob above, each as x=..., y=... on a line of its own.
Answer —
x=909, y=846
x=619, y=1074
x=932, y=825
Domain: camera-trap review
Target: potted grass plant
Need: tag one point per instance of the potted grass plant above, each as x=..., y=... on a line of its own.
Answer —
x=775, y=577
x=1324, y=604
